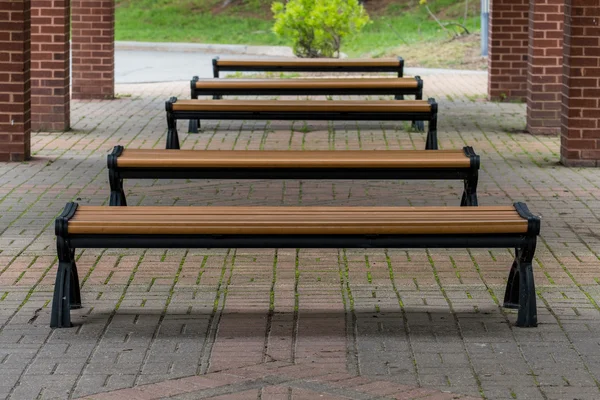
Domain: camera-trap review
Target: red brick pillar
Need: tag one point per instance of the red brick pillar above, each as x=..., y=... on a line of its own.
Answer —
x=508, y=50
x=15, y=63
x=580, y=123
x=93, y=44
x=50, y=71
x=544, y=83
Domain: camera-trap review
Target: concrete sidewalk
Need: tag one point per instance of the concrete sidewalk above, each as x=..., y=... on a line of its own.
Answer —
x=144, y=62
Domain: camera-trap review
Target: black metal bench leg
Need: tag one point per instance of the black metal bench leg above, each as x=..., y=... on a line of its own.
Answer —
x=469, y=197
x=527, y=316
x=399, y=97
x=431, y=142
x=74, y=292
x=194, y=126
x=520, y=290
x=64, y=291
x=419, y=125
x=117, y=194
x=172, y=139
x=511, y=295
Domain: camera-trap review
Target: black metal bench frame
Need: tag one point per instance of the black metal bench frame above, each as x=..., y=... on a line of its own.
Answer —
x=519, y=294
x=116, y=174
x=218, y=93
x=429, y=116
x=399, y=69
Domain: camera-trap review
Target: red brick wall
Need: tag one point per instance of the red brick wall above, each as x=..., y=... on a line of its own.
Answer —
x=50, y=90
x=15, y=63
x=508, y=49
x=93, y=35
x=580, y=122
x=544, y=82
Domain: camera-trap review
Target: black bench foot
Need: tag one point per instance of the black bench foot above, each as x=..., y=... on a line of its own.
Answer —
x=74, y=292
x=431, y=141
x=418, y=126
x=172, y=139
x=520, y=289
x=67, y=295
x=117, y=194
x=469, y=196
x=117, y=198
x=194, y=126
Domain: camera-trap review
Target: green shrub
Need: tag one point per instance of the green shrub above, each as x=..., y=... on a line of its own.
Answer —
x=317, y=27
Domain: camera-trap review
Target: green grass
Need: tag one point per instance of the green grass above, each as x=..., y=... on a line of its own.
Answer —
x=202, y=21
x=176, y=21
x=378, y=38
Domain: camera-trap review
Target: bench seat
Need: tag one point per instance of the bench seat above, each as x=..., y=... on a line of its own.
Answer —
x=462, y=164
x=260, y=220
x=398, y=87
x=358, y=84
x=395, y=65
x=345, y=110
x=292, y=227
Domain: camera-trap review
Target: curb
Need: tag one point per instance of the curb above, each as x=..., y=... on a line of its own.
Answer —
x=272, y=51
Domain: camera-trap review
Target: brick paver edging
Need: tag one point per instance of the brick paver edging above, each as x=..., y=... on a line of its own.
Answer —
x=278, y=380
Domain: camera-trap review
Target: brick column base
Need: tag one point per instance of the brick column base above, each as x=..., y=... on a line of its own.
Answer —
x=580, y=123
x=507, y=63
x=15, y=91
x=50, y=71
x=93, y=45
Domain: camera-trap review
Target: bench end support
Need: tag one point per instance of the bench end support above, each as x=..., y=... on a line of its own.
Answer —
x=215, y=64
x=520, y=290
x=117, y=194
x=469, y=197
x=67, y=295
x=173, y=139
x=432, y=141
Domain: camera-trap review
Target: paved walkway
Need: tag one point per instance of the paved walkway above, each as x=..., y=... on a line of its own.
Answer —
x=143, y=62
x=299, y=324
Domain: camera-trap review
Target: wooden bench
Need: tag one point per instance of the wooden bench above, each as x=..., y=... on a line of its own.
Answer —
x=293, y=227
x=300, y=87
x=216, y=164
x=343, y=110
x=395, y=65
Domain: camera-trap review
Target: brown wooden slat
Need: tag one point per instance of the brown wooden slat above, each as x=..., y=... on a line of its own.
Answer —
x=199, y=210
x=303, y=105
x=294, y=220
x=102, y=218
x=296, y=159
x=386, y=62
x=453, y=210
x=302, y=83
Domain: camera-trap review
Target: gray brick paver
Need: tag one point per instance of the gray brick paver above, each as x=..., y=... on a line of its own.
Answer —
x=349, y=317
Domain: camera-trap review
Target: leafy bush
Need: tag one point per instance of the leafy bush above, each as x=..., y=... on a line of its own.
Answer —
x=317, y=27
